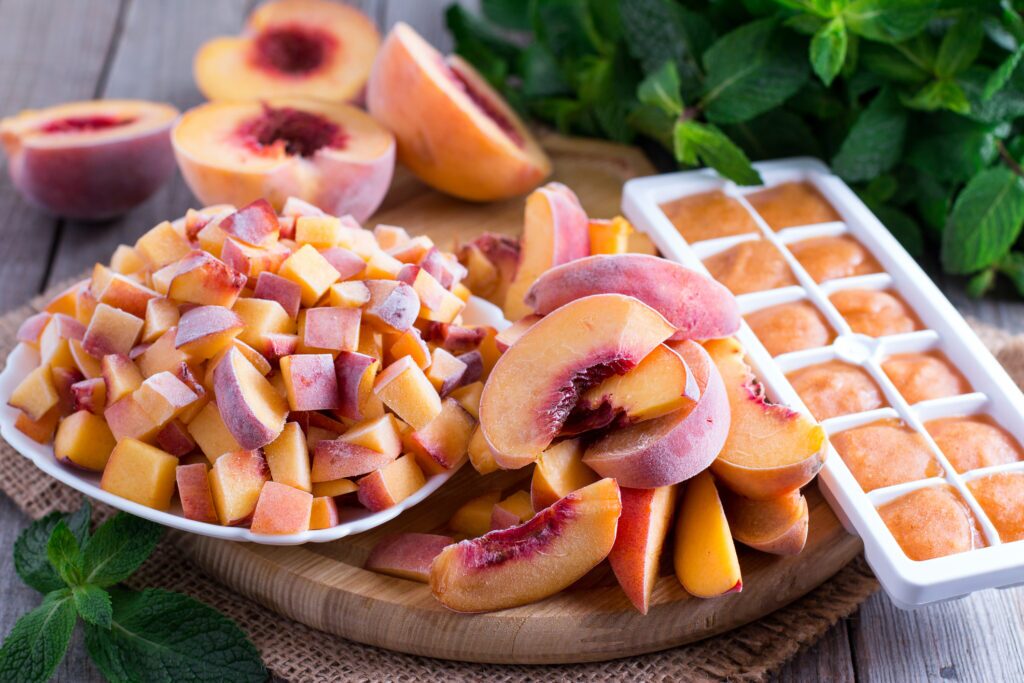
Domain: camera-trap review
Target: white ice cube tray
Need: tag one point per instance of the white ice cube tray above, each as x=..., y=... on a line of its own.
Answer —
x=909, y=583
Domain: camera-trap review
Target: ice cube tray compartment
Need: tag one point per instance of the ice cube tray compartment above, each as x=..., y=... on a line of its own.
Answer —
x=941, y=328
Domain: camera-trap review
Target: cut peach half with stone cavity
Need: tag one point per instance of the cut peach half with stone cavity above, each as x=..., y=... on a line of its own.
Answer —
x=674, y=447
x=331, y=155
x=771, y=449
x=525, y=563
x=775, y=525
x=450, y=123
x=699, y=307
x=295, y=48
x=90, y=160
x=536, y=384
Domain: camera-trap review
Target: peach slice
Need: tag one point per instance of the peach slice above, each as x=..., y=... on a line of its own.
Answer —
x=674, y=447
x=771, y=450
x=643, y=526
x=194, y=490
x=252, y=410
x=705, y=555
x=776, y=525
x=407, y=555
x=450, y=123
x=236, y=481
x=332, y=155
x=559, y=471
x=473, y=518
x=554, y=233
x=525, y=402
x=303, y=48
x=281, y=509
x=526, y=563
x=699, y=307
x=90, y=160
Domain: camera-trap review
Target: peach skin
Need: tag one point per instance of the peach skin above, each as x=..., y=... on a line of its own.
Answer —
x=776, y=525
x=643, y=526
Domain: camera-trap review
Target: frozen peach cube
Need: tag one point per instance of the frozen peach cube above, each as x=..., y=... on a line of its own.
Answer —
x=350, y=294
x=127, y=294
x=32, y=327
x=282, y=509
x=276, y=288
x=111, y=330
x=319, y=231
x=90, y=394
x=211, y=434
x=930, y=522
x=174, y=438
x=751, y=266
x=410, y=343
x=141, y=473
x=84, y=440
x=874, y=313
x=236, y=481
x=348, y=263
x=885, y=453
x=41, y=430
x=407, y=555
x=393, y=306
x=120, y=375
x=311, y=271
x=334, y=488
x=194, y=491
x=252, y=261
x=356, y=373
x=128, y=420
x=835, y=388
x=162, y=355
x=512, y=511
x=442, y=444
x=204, y=279
x=609, y=236
x=161, y=315
x=163, y=396
x=473, y=518
x=391, y=484
x=310, y=381
x=288, y=458
x=324, y=513
x=205, y=331
x=445, y=371
x=406, y=390
x=261, y=317
x=924, y=376
x=480, y=454
x=254, y=224
x=126, y=260
x=559, y=472
x=708, y=215
x=332, y=328
x=970, y=443
x=161, y=245
x=792, y=204
x=36, y=394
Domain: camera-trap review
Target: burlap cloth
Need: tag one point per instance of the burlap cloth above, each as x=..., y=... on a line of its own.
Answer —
x=295, y=652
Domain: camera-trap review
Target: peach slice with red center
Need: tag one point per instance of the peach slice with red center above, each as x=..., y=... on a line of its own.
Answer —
x=525, y=563
x=450, y=123
x=771, y=450
x=643, y=526
x=332, y=155
x=526, y=401
x=776, y=525
x=301, y=48
x=699, y=307
x=674, y=447
x=90, y=160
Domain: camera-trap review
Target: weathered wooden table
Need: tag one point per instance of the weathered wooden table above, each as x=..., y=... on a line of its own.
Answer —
x=58, y=50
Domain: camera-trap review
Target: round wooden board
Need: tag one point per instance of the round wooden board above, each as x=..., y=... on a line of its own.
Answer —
x=324, y=585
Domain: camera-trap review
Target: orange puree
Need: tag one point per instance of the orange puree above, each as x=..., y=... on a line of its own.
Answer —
x=708, y=215
x=970, y=443
x=829, y=258
x=1001, y=496
x=792, y=204
x=885, y=453
x=836, y=388
x=790, y=327
x=874, y=313
x=931, y=522
x=924, y=376
x=751, y=267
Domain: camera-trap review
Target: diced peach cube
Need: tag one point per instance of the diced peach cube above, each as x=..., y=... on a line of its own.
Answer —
x=355, y=373
x=163, y=396
x=162, y=355
x=210, y=432
x=203, y=279
x=54, y=342
x=141, y=473
x=469, y=398
x=320, y=232
x=126, y=260
x=333, y=489
x=126, y=294
x=324, y=513
x=406, y=390
x=111, y=330
x=391, y=484
x=512, y=511
x=310, y=381
x=480, y=454
x=90, y=394
x=63, y=379
x=393, y=306
x=161, y=315
x=252, y=261
x=390, y=236
x=41, y=430
x=128, y=420
x=84, y=440
x=36, y=394
x=85, y=304
x=282, y=509
x=254, y=224
x=443, y=443
x=609, y=236
x=66, y=301
x=382, y=266
x=262, y=316
x=162, y=245
x=277, y=345
x=120, y=375
x=474, y=517
x=288, y=458
x=410, y=344
x=195, y=494
x=311, y=271
x=332, y=328
x=276, y=288
x=32, y=327
x=205, y=331
x=445, y=371
x=371, y=342
x=348, y=294
x=413, y=250
x=382, y=434
x=236, y=481
x=429, y=290
x=86, y=363
x=174, y=438
x=340, y=459
x=348, y=263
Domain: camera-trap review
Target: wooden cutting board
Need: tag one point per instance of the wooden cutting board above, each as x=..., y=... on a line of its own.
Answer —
x=324, y=585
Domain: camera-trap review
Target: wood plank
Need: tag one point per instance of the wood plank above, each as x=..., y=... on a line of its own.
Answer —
x=51, y=51
x=977, y=638
x=153, y=61
x=827, y=660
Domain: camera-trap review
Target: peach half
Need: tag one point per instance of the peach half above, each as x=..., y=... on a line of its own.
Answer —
x=771, y=450
x=331, y=155
x=450, y=123
x=535, y=385
x=296, y=48
x=525, y=563
x=699, y=307
x=90, y=160
x=674, y=447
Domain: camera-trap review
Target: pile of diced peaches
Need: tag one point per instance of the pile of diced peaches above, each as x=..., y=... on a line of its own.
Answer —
x=621, y=384
x=261, y=366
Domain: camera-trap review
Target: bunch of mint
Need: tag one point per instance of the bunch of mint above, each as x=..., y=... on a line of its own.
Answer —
x=919, y=104
x=149, y=635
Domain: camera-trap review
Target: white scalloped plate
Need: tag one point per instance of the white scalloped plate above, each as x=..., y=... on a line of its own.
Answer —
x=24, y=359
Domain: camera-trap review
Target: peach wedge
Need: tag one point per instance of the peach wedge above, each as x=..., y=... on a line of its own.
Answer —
x=450, y=123
x=529, y=562
x=331, y=155
x=249, y=405
x=705, y=555
x=776, y=525
x=536, y=383
x=636, y=556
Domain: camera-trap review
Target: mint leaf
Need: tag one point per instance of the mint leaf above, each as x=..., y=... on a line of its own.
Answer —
x=93, y=604
x=540, y=73
x=778, y=133
x=38, y=641
x=117, y=549
x=887, y=21
x=981, y=282
x=940, y=94
x=751, y=70
x=513, y=14
x=654, y=123
x=903, y=228
x=1003, y=105
x=659, y=31
x=1011, y=265
x=890, y=63
x=952, y=148
x=985, y=221
x=1002, y=74
x=661, y=90
x=30, y=560
x=875, y=141
x=567, y=28
x=162, y=636
x=64, y=555
x=960, y=46
x=828, y=50
x=717, y=151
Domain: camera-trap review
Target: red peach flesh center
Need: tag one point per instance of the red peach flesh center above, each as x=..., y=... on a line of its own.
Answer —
x=513, y=543
x=85, y=124
x=485, y=105
x=293, y=50
x=568, y=393
x=297, y=132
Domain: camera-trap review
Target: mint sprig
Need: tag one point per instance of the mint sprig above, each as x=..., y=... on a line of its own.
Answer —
x=149, y=635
